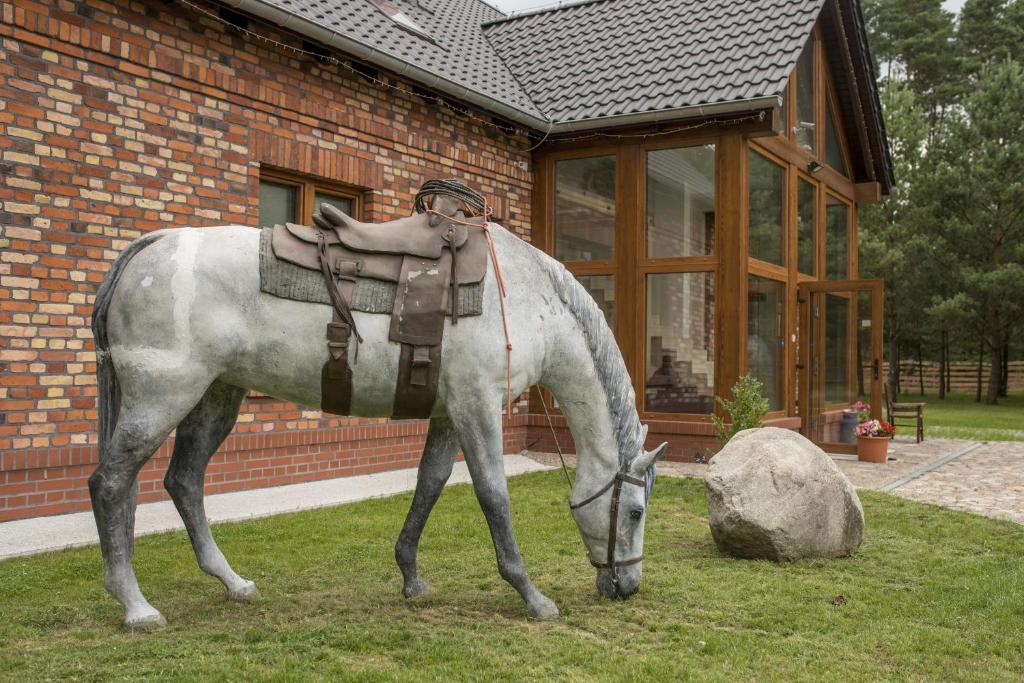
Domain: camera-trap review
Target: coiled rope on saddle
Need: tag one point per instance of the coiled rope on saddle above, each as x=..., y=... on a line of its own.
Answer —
x=469, y=197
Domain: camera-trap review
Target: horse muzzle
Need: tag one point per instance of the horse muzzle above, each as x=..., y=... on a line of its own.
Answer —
x=620, y=584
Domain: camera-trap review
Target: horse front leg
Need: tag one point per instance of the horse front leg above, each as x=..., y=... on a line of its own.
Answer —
x=435, y=468
x=480, y=435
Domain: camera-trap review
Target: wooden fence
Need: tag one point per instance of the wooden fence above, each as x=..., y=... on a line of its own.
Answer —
x=963, y=377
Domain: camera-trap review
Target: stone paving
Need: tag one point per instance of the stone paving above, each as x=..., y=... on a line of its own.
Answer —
x=988, y=480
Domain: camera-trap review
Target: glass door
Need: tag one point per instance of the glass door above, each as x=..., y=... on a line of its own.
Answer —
x=840, y=358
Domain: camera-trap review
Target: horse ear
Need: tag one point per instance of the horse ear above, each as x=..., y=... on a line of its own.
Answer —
x=646, y=459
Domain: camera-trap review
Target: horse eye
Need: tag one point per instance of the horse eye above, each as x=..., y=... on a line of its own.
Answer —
x=637, y=513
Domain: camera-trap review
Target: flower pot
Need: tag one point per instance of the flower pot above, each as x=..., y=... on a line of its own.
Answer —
x=873, y=448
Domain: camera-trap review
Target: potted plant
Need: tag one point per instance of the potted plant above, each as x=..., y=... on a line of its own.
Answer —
x=873, y=438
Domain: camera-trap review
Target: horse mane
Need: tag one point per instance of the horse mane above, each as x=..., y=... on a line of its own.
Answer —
x=604, y=351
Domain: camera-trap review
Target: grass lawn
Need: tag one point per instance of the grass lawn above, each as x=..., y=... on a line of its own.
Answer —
x=959, y=417
x=933, y=594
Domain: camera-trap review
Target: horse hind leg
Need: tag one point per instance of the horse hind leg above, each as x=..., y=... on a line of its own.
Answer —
x=197, y=438
x=139, y=431
x=435, y=468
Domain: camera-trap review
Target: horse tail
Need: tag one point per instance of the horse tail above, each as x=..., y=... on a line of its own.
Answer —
x=108, y=391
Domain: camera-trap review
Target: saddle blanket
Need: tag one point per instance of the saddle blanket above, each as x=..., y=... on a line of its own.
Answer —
x=288, y=281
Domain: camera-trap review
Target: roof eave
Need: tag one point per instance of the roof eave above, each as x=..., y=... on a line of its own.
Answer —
x=674, y=114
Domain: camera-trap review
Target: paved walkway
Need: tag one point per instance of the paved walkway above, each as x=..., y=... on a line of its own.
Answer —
x=45, y=534
x=989, y=480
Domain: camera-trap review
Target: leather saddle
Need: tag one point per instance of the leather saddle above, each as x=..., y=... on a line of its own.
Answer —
x=428, y=255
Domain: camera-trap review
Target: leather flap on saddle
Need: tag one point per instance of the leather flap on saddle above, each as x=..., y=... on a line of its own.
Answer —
x=420, y=302
x=297, y=244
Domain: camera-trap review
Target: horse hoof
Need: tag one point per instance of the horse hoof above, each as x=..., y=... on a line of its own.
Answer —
x=145, y=622
x=415, y=588
x=247, y=593
x=542, y=608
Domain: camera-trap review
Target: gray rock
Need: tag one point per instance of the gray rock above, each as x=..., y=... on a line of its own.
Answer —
x=772, y=494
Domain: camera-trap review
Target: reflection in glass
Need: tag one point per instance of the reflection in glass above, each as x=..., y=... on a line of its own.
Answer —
x=680, y=345
x=343, y=204
x=602, y=288
x=278, y=203
x=837, y=349
x=766, y=343
x=865, y=361
x=837, y=239
x=585, y=209
x=681, y=202
x=806, y=96
x=765, y=209
x=806, y=200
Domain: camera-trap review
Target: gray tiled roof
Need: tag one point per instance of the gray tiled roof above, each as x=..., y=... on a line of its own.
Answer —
x=614, y=57
x=461, y=53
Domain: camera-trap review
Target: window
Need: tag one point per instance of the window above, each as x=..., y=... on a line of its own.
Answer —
x=681, y=202
x=287, y=198
x=766, y=337
x=833, y=151
x=602, y=289
x=585, y=209
x=680, y=345
x=766, y=209
x=805, y=128
x=837, y=349
x=806, y=208
x=837, y=239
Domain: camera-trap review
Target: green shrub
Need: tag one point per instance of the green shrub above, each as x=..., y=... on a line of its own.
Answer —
x=745, y=411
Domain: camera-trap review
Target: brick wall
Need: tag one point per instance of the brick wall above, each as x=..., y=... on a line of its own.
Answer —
x=121, y=118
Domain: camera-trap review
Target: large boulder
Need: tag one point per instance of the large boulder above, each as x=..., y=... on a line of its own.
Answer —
x=772, y=494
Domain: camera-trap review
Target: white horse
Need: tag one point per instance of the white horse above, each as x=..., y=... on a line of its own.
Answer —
x=183, y=331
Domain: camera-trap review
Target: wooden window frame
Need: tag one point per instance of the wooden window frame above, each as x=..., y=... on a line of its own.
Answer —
x=308, y=186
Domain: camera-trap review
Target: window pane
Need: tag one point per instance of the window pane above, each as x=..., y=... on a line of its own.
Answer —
x=680, y=344
x=837, y=242
x=765, y=210
x=278, y=203
x=343, y=204
x=585, y=209
x=837, y=349
x=806, y=200
x=766, y=342
x=681, y=202
x=833, y=153
x=806, y=96
x=602, y=288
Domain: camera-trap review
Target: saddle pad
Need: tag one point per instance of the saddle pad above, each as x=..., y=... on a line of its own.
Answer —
x=288, y=281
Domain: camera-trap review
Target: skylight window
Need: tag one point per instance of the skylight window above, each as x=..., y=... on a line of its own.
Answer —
x=402, y=19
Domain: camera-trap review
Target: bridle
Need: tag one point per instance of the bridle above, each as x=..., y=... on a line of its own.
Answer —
x=613, y=523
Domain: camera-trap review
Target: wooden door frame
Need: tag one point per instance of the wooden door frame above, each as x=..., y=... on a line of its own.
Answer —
x=805, y=292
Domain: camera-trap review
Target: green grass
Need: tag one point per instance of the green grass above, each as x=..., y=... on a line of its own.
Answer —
x=958, y=417
x=933, y=594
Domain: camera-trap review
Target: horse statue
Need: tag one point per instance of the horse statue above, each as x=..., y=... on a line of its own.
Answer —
x=183, y=331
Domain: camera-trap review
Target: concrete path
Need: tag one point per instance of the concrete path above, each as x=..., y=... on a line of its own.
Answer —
x=44, y=534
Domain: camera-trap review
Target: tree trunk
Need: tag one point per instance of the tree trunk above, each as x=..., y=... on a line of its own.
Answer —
x=981, y=364
x=995, y=371
x=920, y=369
x=1004, y=380
x=942, y=365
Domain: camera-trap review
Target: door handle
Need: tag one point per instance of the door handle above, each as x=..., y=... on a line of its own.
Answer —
x=875, y=366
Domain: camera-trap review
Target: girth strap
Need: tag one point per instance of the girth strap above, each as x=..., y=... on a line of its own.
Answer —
x=336, y=375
